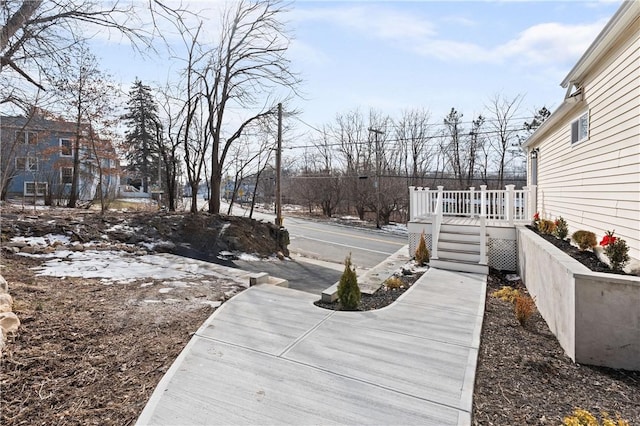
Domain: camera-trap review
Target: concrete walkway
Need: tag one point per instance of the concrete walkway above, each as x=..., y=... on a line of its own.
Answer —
x=269, y=356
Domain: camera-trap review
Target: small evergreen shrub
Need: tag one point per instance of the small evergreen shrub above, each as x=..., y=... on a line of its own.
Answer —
x=562, y=229
x=506, y=294
x=584, y=239
x=422, y=252
x=546, y=226
x=616, y=250
x=582, y=417
x=524, y=307
x=393, y=282
x=348, y=289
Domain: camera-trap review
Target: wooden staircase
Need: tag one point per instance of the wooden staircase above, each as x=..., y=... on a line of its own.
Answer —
x=458, y=249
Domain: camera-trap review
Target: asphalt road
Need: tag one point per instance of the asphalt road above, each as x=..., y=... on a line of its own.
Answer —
x=318, y=250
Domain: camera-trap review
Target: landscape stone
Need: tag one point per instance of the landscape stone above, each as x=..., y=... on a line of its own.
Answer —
x=9, y=322
x=6, y=302
x=4, y=287
x=28, y=249
x=12, y=249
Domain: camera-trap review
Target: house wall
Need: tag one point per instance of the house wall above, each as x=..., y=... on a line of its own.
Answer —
x=595, y=184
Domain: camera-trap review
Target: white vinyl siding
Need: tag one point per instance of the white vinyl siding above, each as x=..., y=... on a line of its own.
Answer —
x=595, y=184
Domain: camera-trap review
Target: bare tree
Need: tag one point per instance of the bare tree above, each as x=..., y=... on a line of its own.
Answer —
x=505, y=130
x=86, y=92
x=246, y=68
x=414, y=136
x=453, y=144
x=34, y=34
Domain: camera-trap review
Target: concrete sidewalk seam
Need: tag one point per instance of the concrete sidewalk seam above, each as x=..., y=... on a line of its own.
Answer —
x=305, y=334
x=387, y=388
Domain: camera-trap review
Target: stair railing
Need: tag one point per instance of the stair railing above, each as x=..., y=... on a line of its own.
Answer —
x=437, y=222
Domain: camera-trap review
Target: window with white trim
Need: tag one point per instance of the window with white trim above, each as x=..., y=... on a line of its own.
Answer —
x=30, y=188
x=66, y=148
x=66, y=174
x=580, y=128
x=26, y=137
x=27, y=164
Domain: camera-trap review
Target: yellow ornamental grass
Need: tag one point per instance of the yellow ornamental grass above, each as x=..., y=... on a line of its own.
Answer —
x=506, y=294
x=582, y=417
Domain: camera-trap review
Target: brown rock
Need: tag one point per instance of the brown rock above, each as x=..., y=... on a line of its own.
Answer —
x=28, y=249
x=6, y=302
x=9, y=322
x=4, y=287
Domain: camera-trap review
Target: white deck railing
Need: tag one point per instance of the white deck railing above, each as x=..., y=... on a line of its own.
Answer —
x=508, y=205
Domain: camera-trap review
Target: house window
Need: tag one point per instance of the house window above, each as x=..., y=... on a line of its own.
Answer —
x=66, y=148
x=30, y=188
x=66, y=175
x=580, y=128
x=25, y=137
x=27, y=164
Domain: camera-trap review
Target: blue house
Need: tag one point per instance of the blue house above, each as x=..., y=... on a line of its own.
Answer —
x=37, y=160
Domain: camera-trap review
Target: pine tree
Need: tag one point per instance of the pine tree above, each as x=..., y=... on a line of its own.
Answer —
x=348, y=289
x=143, y=128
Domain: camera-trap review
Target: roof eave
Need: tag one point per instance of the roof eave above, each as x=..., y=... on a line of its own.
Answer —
x=625, y=15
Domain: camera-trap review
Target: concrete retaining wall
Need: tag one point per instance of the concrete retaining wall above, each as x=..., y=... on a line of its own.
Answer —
x=595, y=316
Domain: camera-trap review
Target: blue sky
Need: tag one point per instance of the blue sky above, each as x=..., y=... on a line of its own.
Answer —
x=396, y=55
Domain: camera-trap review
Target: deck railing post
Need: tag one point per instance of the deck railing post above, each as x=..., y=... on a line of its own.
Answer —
x=435, y=227
x=472, y=199
x=483, y=200
x=426, y=201
x=483, y=240
x=412, y=203
x=509, y=204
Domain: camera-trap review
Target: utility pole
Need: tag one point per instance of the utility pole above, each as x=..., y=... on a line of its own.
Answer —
x=377, y=132
x=278, y=169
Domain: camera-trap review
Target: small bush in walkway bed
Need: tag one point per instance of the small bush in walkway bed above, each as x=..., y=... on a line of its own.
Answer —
x=422, y=252
x=524, y=307
x=348, y=289
x=585, y=239
x=546, y=226
x=393, y=282
x=562, y=229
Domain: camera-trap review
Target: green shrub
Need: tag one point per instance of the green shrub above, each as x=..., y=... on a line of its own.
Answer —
x=546, y=226
x=616, y=250
x=348, y=289
x=562, y=229
x=422, y=252
x=584, y=239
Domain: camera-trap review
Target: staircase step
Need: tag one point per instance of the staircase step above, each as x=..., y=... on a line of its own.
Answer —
x=461, y=255
x=459, y=266
x=455, y=236
x=471, y=246
x=460, y=229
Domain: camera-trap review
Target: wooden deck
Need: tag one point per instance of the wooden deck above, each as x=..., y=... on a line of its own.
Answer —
x=468, y=221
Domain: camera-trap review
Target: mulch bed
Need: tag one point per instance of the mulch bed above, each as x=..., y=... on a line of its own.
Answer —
x=381, y=298
x=586, y=257
x=524, y=377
